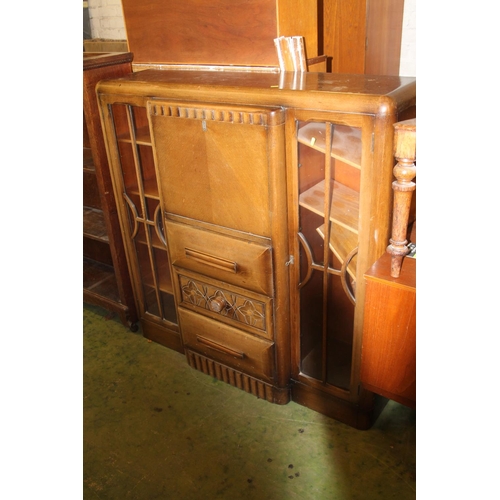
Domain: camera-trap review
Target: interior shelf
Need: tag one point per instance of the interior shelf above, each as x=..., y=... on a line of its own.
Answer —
x=346, y=143
x=338, y=362
x=150, y=189
x=163, y=276
x=155, y=241
x=342, y=242
x=142, y=137
x=100, y=279
x=344, y=209
x=94, y=225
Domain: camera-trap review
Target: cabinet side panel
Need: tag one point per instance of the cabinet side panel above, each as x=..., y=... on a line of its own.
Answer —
x=345, y=33
x=384, y=29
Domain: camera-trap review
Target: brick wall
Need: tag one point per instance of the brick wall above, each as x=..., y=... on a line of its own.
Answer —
x=106, y=19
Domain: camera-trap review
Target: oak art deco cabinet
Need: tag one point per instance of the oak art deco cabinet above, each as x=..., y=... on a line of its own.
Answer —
x=251, y=205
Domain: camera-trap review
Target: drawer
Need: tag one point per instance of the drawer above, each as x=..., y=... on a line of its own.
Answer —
x=234, y=306
x=225, y=344
x=243, y=263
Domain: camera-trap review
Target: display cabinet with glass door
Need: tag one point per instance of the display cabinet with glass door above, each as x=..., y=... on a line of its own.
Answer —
x=325, y=178
x=136, y=188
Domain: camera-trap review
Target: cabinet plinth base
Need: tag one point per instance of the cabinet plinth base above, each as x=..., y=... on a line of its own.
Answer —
x=237, y=379
x=361, y=416
x=162, y=335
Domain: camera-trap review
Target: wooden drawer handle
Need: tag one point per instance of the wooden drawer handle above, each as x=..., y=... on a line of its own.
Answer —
x=211, y=260
x=219, y=347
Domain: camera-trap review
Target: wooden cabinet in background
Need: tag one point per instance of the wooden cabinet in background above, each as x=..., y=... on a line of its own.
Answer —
x=389, y=337
x=106, y=280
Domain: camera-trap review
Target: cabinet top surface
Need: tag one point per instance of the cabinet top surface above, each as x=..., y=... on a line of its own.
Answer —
x=319, y=82
x=281, y=88
x=381, y=271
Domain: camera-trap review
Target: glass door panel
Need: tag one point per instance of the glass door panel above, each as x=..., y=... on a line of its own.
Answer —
x=328, y=177
x=140, y=192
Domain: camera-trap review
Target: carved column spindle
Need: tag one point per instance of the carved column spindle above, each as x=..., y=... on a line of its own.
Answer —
x=405, y=171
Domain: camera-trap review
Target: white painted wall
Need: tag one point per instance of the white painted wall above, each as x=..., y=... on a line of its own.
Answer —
x=106, y=21
x=407, y=63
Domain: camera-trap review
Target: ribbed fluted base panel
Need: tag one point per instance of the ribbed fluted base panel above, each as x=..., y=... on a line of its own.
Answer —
x=237, y=379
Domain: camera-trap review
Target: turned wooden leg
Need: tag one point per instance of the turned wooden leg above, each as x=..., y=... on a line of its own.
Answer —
x=404, y=171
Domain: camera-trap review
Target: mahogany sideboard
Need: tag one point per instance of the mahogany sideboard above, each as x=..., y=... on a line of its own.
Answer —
x=251, y=206
x=389, y=338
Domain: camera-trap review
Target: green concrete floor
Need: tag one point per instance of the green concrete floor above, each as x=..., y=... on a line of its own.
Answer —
x=154, y=428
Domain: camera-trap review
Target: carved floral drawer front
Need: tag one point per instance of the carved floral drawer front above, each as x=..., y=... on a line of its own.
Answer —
x=251, y=313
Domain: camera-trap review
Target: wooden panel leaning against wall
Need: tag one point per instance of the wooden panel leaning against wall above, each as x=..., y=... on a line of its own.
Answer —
x=220, y=33
x=363, y=36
